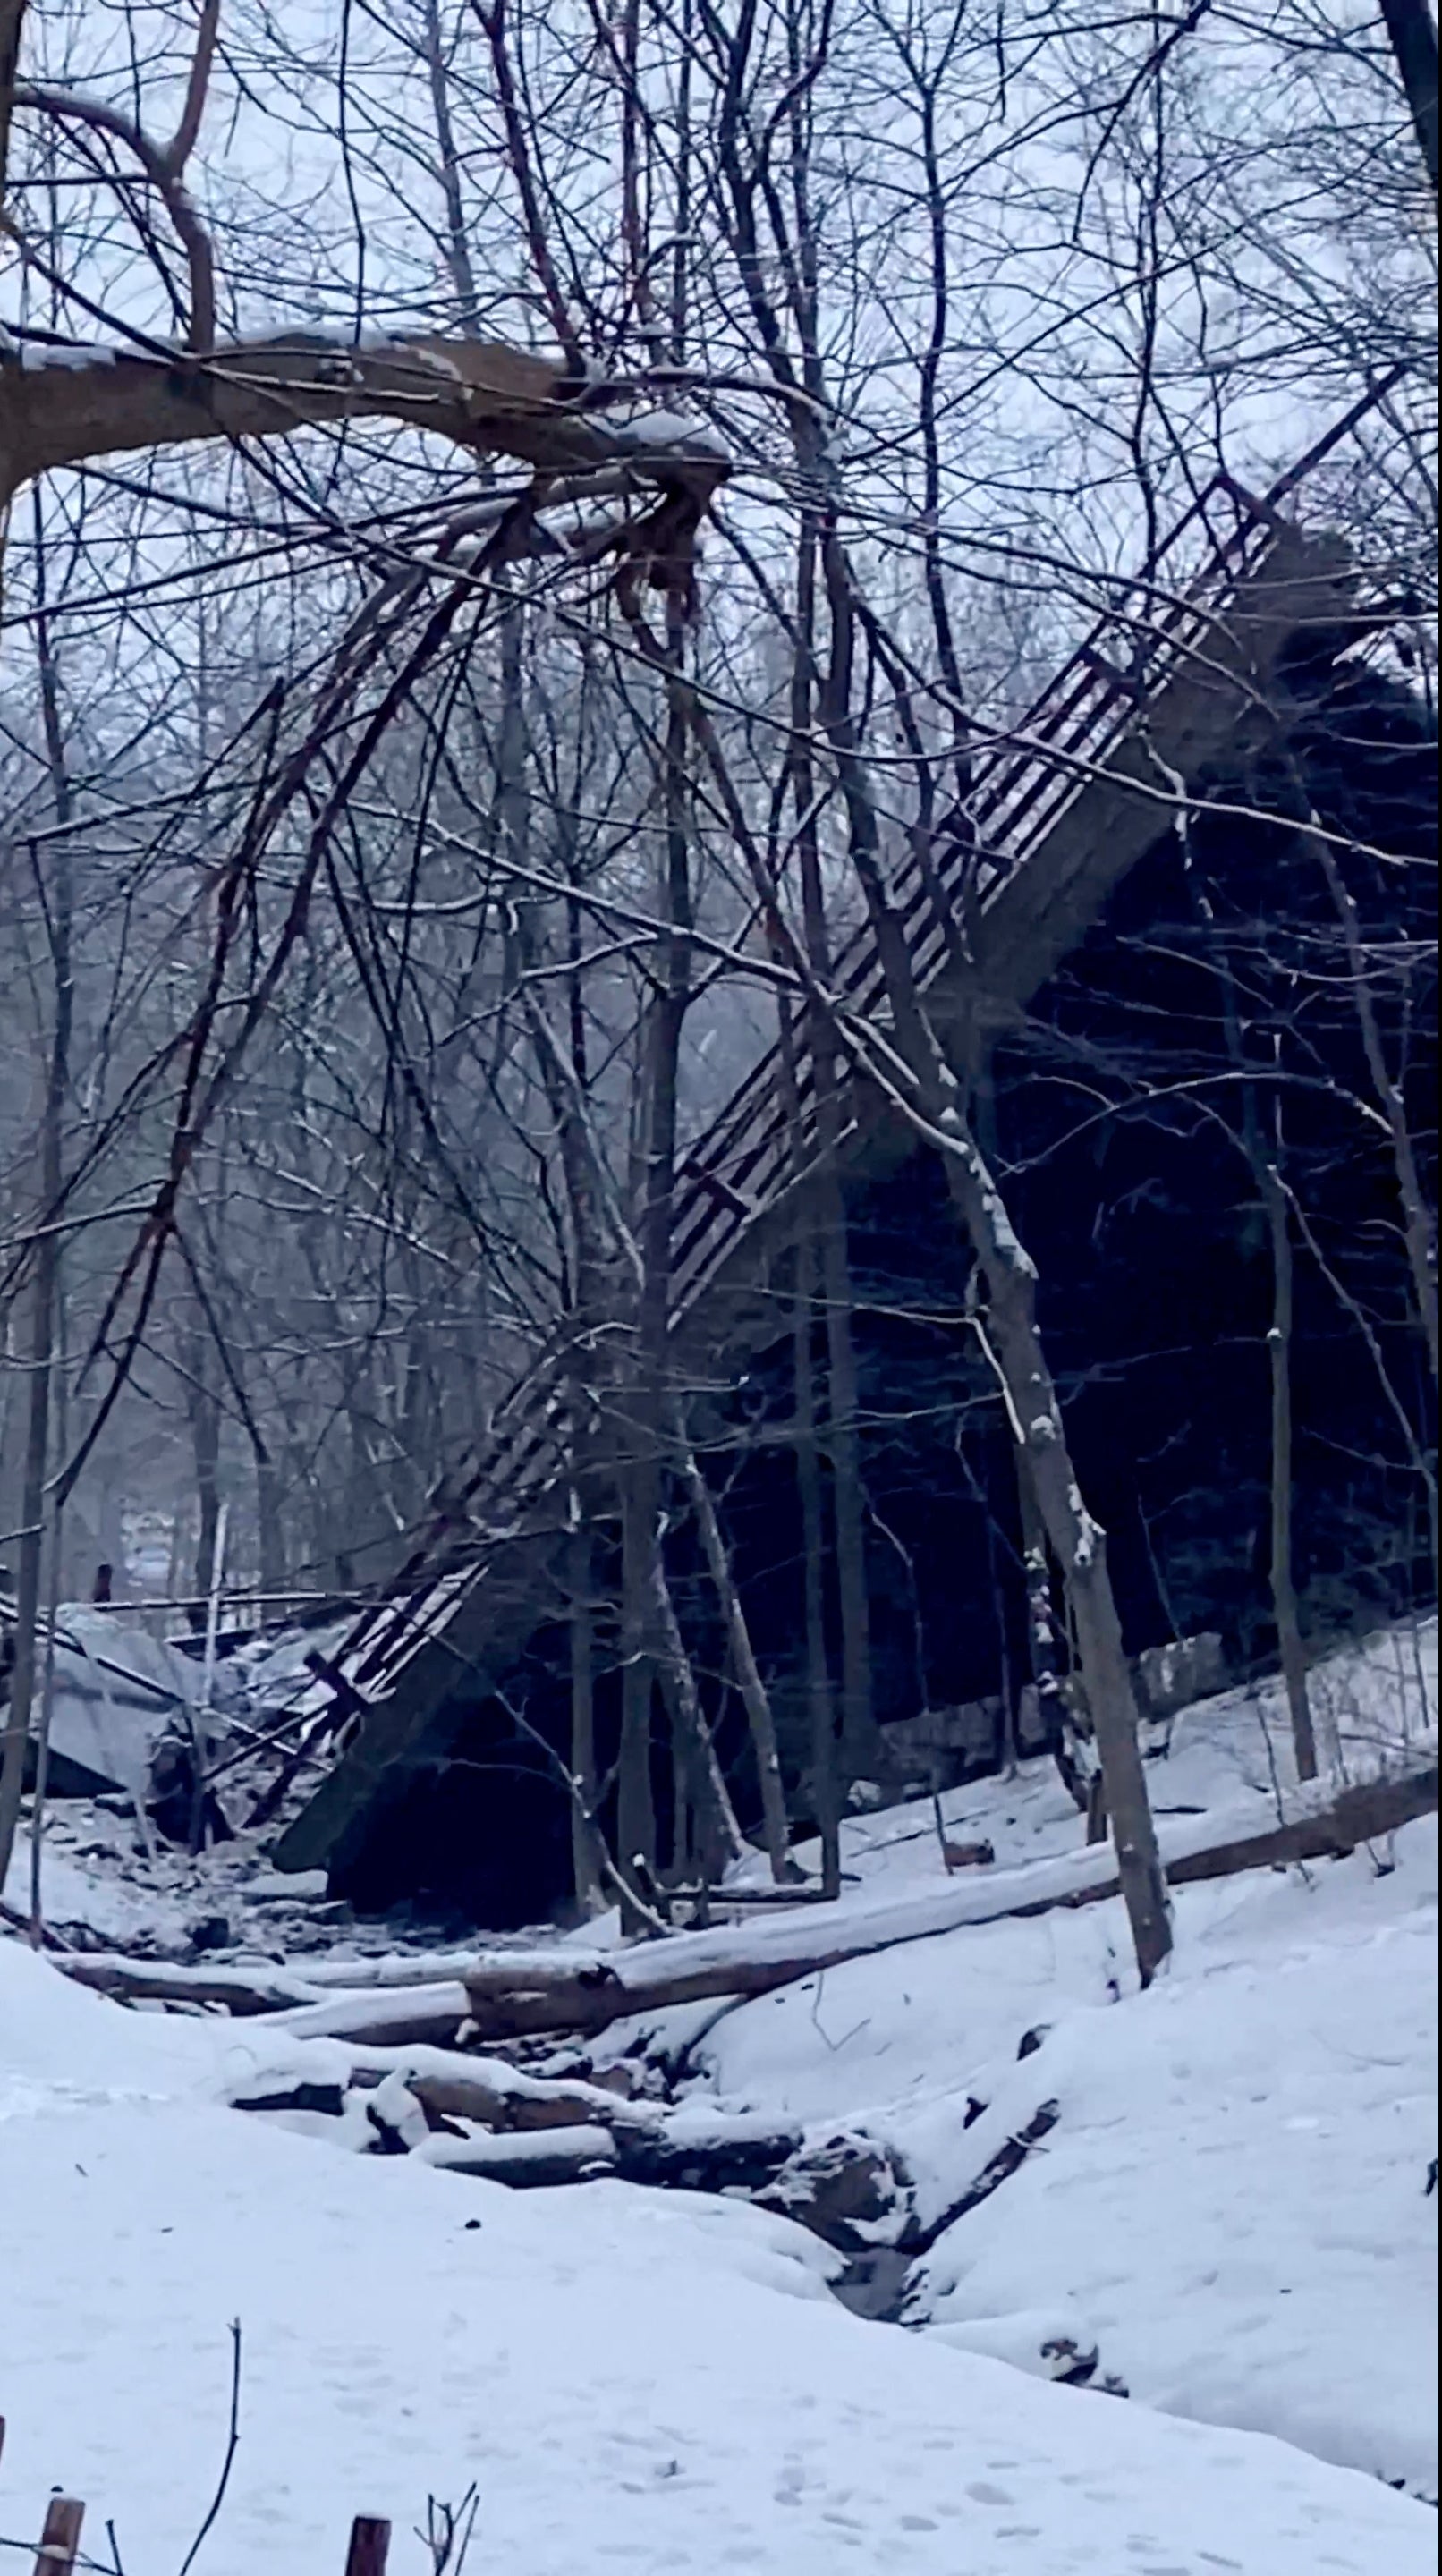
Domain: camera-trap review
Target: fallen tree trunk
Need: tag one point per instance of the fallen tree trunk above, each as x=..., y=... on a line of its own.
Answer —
x=373, y=2016
x=509, y=1994
x=534, y=2162
x=245, y=1991
x=500, y=2096
x=377, y=2018
x=510, y=1997
x=1362, y=1814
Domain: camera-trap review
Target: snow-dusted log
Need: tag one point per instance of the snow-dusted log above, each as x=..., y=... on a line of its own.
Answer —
x=63, y=405
x=511, y=1995
x=453, y=2086
x=533, y=2162
x=428, y=2015
x=242, y=1991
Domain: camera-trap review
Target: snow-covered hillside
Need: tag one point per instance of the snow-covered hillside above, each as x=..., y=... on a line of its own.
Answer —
x=1231, y=2207
x=1226, y=2200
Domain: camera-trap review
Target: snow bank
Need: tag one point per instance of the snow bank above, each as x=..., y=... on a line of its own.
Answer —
x=1232, y=2199
x=615, y=2369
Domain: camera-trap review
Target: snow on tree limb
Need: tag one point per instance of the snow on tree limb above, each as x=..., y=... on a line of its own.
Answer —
x=74, y=405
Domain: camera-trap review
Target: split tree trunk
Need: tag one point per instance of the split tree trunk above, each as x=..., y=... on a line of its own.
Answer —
x=748, y=1677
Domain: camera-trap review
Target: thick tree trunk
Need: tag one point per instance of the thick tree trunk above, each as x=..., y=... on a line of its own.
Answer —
x=1412, y=34
x=487, y=398
x=1077, y=1541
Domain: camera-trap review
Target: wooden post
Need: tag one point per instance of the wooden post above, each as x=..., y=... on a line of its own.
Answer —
x=370, y=2541
x=60, y=2538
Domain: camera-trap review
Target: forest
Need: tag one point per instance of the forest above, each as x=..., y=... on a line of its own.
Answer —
x=719, y=833
x=718, y=1287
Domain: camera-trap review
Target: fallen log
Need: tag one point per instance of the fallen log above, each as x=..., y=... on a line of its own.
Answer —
x=246, y=1992
x=716, y=2151
x=511, y=1995
x=381, y=2017
x=533, y=2162
x=450, y=2085
x=446, y=2084
x=392, y=1972
x=1364, y=1814
x=507, y=1994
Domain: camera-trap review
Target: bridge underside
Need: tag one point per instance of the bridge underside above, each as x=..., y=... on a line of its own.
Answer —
x=464, y=1620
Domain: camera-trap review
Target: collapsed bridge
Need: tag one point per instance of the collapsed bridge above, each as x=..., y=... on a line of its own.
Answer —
x=1194, y=657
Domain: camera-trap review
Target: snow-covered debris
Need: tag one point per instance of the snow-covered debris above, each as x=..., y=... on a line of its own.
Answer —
x=655, y=430
x=117, y=1692
x=274, y=1671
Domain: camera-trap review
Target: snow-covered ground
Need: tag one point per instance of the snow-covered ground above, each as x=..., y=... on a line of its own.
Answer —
x=1231, y=2208
x=1230, y=2205
x=640, y=2381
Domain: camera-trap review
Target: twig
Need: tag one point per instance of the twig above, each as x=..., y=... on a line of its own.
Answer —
x=448, y=2530
x=231, y=2446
